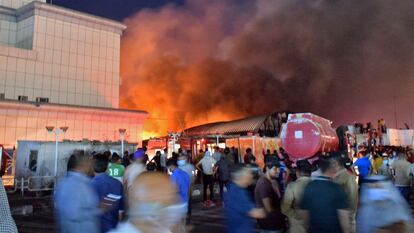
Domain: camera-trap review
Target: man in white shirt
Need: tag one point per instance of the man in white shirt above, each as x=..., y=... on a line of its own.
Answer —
x=207, y=165
x=135, y=168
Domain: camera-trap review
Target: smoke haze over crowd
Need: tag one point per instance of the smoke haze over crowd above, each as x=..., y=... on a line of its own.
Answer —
x=218, y=60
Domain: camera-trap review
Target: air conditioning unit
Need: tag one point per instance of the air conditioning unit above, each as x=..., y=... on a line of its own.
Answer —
x=42, y=100
x=23, y=98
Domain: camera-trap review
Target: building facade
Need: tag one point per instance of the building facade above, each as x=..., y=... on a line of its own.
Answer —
x=60, y=67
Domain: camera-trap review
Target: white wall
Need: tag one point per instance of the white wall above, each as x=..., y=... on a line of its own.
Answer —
x=16, y=3
x=67, y=62
x=18, y=124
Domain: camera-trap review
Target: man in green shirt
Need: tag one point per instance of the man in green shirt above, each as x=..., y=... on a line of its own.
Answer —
x=116, y=169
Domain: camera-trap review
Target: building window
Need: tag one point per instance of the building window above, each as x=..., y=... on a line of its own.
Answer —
x=2, y=96
x=33, y=160
x=42, y=100
x=23, y=98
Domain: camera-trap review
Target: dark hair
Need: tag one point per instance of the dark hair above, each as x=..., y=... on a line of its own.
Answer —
x=226, y=150
x=171, y=162
x=107, y=154
x=115, y=157
x=324, y=164
x=77, y=158
x=101, y=163
x=339, y=157
x=248, y=150
x=304, y=167
x=272, y=161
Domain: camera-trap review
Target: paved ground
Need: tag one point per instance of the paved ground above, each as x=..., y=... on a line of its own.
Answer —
x=204, y=220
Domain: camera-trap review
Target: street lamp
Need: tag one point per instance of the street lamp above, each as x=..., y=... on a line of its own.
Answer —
x=122, y=133
x=56, y=130
x=175, y=137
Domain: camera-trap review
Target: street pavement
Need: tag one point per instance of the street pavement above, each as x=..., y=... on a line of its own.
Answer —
x=203, y=220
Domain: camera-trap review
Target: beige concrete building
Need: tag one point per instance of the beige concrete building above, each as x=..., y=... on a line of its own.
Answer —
x=60, y=67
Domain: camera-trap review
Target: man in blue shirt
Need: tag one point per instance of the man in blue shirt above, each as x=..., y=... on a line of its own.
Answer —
x=77, y=204
x=239, y=208
x=364, y=166
x=108, y=189
x=181, y=179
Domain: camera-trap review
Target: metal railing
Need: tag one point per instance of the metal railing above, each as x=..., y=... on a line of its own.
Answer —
x=31, y=184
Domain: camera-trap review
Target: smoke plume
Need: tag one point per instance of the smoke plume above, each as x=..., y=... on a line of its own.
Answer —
x=346, y=60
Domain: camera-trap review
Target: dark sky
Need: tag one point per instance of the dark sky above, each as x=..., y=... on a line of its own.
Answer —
x=113, y=9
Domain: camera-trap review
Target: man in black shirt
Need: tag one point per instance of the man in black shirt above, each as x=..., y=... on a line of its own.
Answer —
x=267, y=197
x=324, y=204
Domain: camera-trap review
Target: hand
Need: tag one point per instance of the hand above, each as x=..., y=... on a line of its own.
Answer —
x=257, y=213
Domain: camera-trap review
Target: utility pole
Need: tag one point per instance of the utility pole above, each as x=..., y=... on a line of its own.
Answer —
x=122, y=134
x=56, y=130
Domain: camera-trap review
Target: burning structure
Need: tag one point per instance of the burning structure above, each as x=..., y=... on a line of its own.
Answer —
x=208, y=61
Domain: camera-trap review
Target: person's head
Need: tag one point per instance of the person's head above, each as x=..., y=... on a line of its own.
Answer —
x=138, y=156
x=180, y=150
x=165, y=151
x=327, y=166
x=226, y=150
x=268, y=151
x=158, y=153
x=126, y=153
x=338, y=160
x=303, y=168
x=174, y=155
x=182, y=160
x=81, y=162
x=107, y=154
x=148, y=198
x=172, y=164
x=241, y=176
x=116, y=158
x=248, y=151
x=271, y=169
x=100, y=163
x=200, y=151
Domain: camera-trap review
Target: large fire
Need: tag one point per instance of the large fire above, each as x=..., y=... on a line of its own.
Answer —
x=218, y=60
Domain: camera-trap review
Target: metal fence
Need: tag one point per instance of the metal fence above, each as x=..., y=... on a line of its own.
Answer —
x=31, y=184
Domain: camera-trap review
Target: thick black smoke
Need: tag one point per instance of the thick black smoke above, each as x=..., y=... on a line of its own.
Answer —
x=347, y=60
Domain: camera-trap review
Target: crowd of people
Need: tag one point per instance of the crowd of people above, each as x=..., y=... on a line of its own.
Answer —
x=335, y=194
x=367, y=192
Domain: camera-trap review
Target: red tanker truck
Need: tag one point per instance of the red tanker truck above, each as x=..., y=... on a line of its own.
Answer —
x=306, y=134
